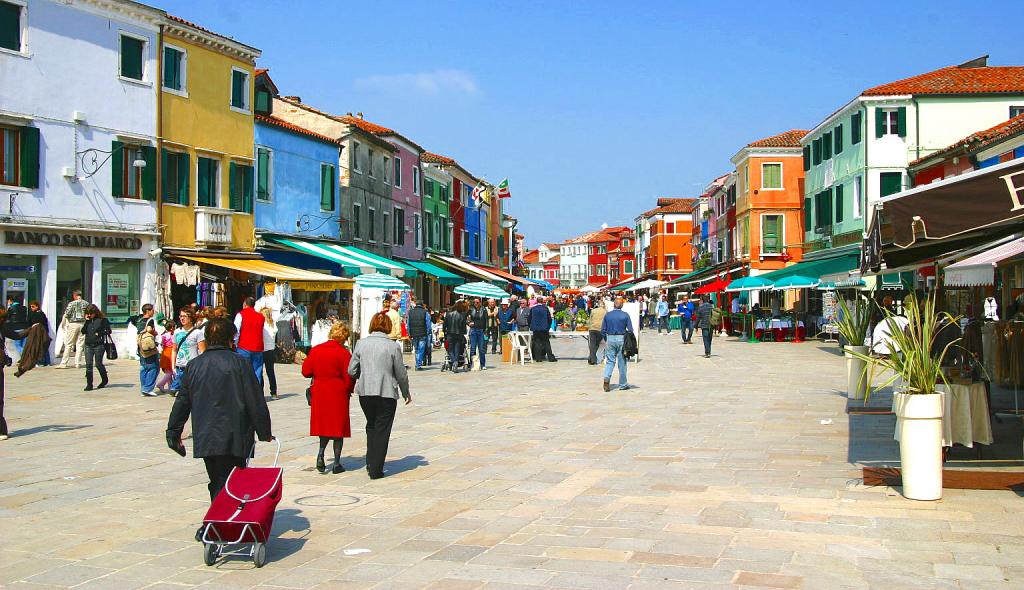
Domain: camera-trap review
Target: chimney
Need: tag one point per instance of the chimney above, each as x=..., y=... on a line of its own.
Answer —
x=348, y=114
x=359, y=114
x=293, y=98
x=978, y=62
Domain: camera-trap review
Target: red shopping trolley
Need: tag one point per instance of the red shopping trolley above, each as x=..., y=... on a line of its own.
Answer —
x=241, y=516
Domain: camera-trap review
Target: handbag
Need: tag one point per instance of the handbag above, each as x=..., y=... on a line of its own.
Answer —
x=309, y=393
x=110, y=347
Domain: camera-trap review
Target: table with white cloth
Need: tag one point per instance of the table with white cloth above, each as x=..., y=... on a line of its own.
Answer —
x=965, y=415
x=777, y=328
x=569, y=335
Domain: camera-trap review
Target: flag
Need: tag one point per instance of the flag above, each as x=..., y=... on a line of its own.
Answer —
x=478, y=195
x=503, y=192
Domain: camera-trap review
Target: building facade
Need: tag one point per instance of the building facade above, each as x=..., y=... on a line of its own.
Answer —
x=667, y=230
x=436, y=229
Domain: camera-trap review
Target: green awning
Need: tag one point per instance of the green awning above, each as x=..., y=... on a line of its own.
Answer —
x=842, y=263
x=353, y=261
x=442, y=276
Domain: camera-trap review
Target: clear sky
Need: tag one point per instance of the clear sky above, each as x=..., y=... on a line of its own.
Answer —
x=595, y=109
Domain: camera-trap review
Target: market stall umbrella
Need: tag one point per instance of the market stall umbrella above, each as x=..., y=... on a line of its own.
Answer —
x=712, y=287
x=795, y=282
x=590, y=289
x=381, y=281
x=647, y=284
x=748, y=284
x=480, y=289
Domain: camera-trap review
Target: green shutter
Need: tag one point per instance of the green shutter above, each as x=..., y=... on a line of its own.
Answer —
x=816, y=144
x=165, y=177
x=326, y=187
x=826, y=146
x=901, y=121
x=184, y=168
x=29, y=157
x=839, y=139
x=131, y=57
x=117, y=168
x=826, y=207
x=808, y=215
x=247, y=188
x=879, y=122
x=237, y=89
x=807, y=158
x=263, y=102
x=839, y=203
x=890, y=183
x=10, y=26
x=262, y=174
x=234, y=190
x=149, y=173
x=855, y=131
x=172, y=68
x=203, y=181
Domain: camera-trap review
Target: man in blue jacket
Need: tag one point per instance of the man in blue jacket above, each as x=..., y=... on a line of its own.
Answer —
x=662, y=312
x=614, y=327
x=540, y=325
x=686, y=309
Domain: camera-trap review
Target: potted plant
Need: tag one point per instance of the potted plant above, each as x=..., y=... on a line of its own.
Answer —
x=918, y=401
x=582, y=318
x=853, y=324
x=562, y=318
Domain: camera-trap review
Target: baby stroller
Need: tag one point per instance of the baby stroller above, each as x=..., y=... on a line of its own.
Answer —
x=462, y=363
x=242, y=514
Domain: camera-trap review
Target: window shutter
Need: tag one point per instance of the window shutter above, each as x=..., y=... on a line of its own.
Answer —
x=262, y=174
x=855, y=123
x=165, y=177
x=816, y=145
x=131, y=58
x=203, y=179
x=29, y=157
x=10, y=26
x=839, y=139
x=234, y=191
x=149, y=173
x=826, y=207
x=237, y=89
x=839, y=203
x=807, y=158
x=247, y=188
x=879, y=122
x=808, y=214
x=263, y=102
x=325, y=188
x=184, y=168
x=826, y=146
x=170, y=69
x=901, y=121
x=117, y=168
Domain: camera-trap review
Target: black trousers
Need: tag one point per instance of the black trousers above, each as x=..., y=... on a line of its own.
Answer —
x=380, y=416
x=595, y=343
x=218, y=468
x=268, y=366
x=540, y=347
x=456, y=348
x=3, y=421
x=495, y=336
x=94, y=354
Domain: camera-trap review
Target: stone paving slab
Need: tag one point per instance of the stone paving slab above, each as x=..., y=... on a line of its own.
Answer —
x=710, y=473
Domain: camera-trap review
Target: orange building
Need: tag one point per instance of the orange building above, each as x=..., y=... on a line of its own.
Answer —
x=769, y=202
x=667, y=248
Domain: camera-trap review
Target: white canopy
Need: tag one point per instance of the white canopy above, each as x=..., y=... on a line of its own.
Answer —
x=590, y=289
x=648, y=284
x=979, y=270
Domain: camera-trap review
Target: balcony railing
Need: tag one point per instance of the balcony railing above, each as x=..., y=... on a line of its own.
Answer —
x=213, y=226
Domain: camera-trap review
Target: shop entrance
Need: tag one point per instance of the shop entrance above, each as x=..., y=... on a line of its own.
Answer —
x=73, y=274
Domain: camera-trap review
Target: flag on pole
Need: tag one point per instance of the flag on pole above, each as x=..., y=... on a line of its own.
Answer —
x=478, y=194
x=503, y=192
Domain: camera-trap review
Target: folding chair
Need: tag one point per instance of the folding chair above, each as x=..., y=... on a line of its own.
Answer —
x=520, y=347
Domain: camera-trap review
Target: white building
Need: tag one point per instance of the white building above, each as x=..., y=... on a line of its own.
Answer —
x=78, y=104
x=572, y=265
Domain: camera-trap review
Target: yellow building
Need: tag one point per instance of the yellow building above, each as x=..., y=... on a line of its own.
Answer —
x=205, y=130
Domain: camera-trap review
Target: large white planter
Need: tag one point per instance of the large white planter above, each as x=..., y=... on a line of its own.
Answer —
x=856, y=376
x=919, y=420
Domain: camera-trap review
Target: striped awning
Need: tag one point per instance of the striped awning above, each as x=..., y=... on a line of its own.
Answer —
x=468, y=268
x=270, y=269
x=480, y=289
x=442, y=276
x=353, y=261
x=381, y=281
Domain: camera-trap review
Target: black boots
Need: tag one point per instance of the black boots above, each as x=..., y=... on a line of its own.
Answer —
x=88, y=381
x=103, y=379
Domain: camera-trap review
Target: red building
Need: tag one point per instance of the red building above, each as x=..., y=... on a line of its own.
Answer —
x=610, y=256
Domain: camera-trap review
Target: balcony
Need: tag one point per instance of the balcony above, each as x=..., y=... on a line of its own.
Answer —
x=213, y=226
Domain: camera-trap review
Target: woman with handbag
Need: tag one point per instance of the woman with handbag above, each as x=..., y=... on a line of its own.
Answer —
x=166, y=356
x=270, y=349
x=96, y=330
x=327, y=365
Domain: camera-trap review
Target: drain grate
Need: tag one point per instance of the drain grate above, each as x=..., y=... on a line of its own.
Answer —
x=328, y=500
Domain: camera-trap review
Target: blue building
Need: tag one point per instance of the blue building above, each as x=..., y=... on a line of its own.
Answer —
x=473, y=248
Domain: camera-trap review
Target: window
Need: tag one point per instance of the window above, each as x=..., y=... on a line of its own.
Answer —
x=816, y=151
x=9, y=148
x=387, y=225
x=175, y=177
x=11, y=22
x=430, y=230
x=371, y=223
x=771, y=234
x=415, y=180
x=771, y=176
x=240, y=187
x=239, y=89
x=1015, y=111
x=264, y=102
x=357, y=221
x=627, y=267
x=263, y=174
x=174, y=69
x=399, y=226
x=625, y=242
x=418, y=240
x=855, y=127
x=327, y=182
x=355, y=157
x=476, y=245
x=465, y=243
x=838, y=135
x=839, y=203
x=823, y=209
x=826, y=146
x=128, y=180
x=856, y=197
x=590, y=270
x=369, y=162
x=808, y=214
x=386, y=169
x=807, y=158
x=444, y=234
x=891, y=122
x=890, y=183
x=602, y=270
x=207, y=175
x=444, y=192
x=19, y=156
x=670, y=262
x=398, y=172
x=133, y=57
x=746, y=178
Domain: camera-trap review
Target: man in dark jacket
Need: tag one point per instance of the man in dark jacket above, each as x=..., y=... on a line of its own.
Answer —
x=540, y=325
x=455, y=333
x=477, y=331
x=220, y=391
x=702, y=319
x=419, y=331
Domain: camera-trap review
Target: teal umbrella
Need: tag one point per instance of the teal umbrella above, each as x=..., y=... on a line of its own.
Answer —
x=748, y=284
x=795, y=282
x=381, y=281
x=480, y=289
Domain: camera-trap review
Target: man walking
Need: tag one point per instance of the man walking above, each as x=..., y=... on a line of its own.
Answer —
x=74, y=338
x=652, y=311
x=686, y=310
x=703, y=320
x=455, y=333
x=396, y=321
x=149, y=353
x=249, y=329
x=540, y=324
x=419, y=331
x=662, y=311
x=477, y=327
x=594, y=329
x=613, y=328
x=220, y=392
x=493, y=333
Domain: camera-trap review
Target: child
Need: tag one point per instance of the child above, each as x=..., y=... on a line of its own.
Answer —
x=166, y=355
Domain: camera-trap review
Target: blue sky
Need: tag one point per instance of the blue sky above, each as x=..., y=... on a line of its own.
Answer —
x=595, y=109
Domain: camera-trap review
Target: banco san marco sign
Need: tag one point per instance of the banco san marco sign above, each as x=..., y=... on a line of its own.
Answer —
x=39, y=238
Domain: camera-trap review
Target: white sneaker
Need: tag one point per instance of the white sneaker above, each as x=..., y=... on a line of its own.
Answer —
x=149, y=393
x=4, y=437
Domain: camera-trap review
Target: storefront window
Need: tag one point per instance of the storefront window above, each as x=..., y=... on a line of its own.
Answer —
x=120, y=289
x=20, y=275
x=72, y=274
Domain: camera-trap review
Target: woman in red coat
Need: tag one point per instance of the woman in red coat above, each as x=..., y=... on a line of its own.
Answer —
x=327, y=365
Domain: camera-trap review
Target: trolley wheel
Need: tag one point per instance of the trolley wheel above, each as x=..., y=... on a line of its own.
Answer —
x=209, y=553
x=259, y=554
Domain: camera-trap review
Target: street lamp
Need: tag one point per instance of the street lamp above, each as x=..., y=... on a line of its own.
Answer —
x=93, y=159
x=509, y=223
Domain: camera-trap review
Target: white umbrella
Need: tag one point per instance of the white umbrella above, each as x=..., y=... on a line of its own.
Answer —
x=381, y=281
x=480, y=289
x=648, y=284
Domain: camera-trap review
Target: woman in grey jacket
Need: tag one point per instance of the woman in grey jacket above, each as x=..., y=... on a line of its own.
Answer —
x=379, y=371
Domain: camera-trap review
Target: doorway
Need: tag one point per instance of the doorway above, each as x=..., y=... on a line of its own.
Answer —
x=72, y=274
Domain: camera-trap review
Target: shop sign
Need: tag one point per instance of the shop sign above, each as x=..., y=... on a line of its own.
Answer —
x=29, y=268
x=320, y=285
x=38, y=238
x=20, y=285
x=117, y=294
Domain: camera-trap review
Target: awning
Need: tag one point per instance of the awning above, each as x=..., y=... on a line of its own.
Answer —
x=274, y=271
x=442, y=276
x=796, y=282
x=754, y=283
x=481, y=289
x=624, y=285
x=980, y=269
x=544, y=284
x=647, y=284
x=353, y=261
x=841, y=263
x=381, y=281
x=467, y=268
x=712, y=287
x=521, y=281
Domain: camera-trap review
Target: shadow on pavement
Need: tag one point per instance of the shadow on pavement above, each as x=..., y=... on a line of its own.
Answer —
x=404, y=464
x=49, y=428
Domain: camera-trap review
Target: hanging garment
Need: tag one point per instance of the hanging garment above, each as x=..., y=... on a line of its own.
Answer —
x=320, y=332
x=991, y=309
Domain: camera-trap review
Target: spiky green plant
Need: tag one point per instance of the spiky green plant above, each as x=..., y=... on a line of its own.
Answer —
x=853, y=323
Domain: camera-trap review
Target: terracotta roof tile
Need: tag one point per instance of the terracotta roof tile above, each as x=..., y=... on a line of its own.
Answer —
x=433, y=158
x=553, y=259
x=980, y=139
x=294, y=128
x=531, y=257
x=789, y=138
x=671, y=205
x=366, y=125
x=957, y=80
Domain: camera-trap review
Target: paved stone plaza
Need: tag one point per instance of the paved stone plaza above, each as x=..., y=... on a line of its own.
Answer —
x=711, y=473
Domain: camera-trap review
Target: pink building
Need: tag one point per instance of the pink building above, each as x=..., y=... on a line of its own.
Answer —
x=405, y=192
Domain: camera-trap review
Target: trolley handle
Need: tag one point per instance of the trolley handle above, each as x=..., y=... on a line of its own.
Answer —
x=277, y=454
